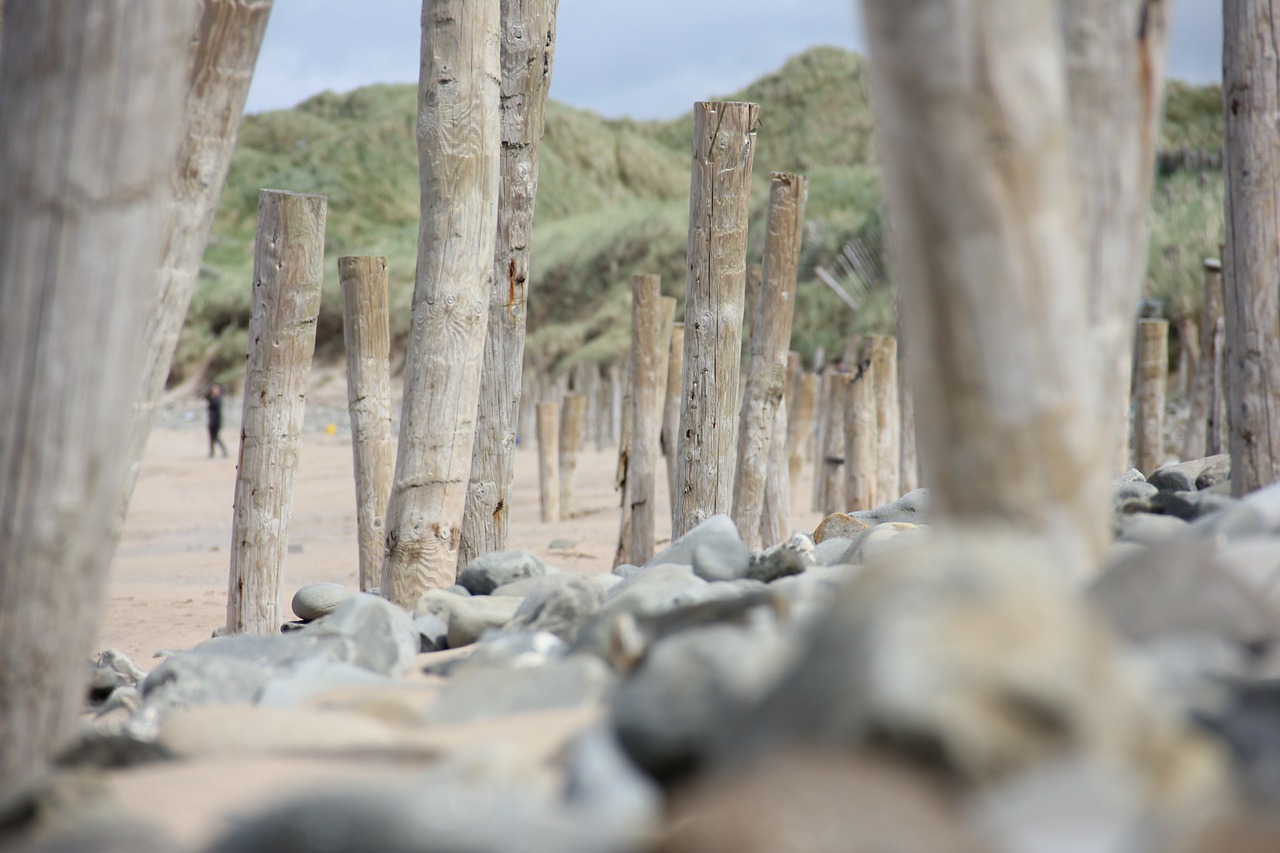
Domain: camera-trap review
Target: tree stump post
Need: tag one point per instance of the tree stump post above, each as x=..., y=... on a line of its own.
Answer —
x=652, y=316
x=772, y=312
x=288, y=269
x=367, y=336
x=459, y=144
x=573, y=415
x=1152, y=380
x=719, y=195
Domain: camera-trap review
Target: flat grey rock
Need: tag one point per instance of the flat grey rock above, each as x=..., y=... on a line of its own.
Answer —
x=713, y=549
x=1182, y=476
x=560, y=604
x=318, y=599
x=382, y=635
x=471, y=617
x=477, y=693
x=489, y=571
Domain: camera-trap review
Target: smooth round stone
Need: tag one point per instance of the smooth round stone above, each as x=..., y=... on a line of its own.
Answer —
x=318, y=599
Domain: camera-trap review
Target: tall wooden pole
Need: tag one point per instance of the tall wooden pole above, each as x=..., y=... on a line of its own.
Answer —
x=573, y=418
x=719, y=194
x=770, y=341
x=228, y=37
x=91, y=106
x=861, y=440
x=1152, y=380
x=288, y=268
x=884, y=360
x=651, y=321
x=829, y=465
x=1115, y=60
x=671, y=407
x=1251, y=263
x=366, y=333
x=459, y=138
x=994, y=333
x=1195, y=440
x=548, y=418
x=528, y=39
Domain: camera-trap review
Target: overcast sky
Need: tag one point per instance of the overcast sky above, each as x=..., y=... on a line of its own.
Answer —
x=643, y=58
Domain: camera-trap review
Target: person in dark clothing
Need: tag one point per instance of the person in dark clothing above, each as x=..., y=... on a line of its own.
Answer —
x=214, y=399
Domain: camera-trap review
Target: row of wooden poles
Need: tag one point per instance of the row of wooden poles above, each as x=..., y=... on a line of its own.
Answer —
x=731, y=451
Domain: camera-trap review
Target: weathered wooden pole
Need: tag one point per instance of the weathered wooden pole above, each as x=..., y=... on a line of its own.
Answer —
x=908, y=460
x=1000, y=385
x=459, y=141
x=573, y=416
x=800, y=425
x=1152, y=380
x=528, y=36
x=1115, y=60
x=1251, y=262
x=724, y=137
x=1201, y=402
x=228, y=36
x=288, y=269
x=622, y=477
x=367, y=335
x=548, y=417
x=772, y=311
x=883, y=352
x=652, y=316
x=862, y=439
x=775, y=517
x=829, y=468
x=671, y=407
x=92, y=110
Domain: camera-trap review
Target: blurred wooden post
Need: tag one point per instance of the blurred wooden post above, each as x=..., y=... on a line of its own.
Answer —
x=622, y=477
x=719, y=198
x=651, y=320
x=1153, y=378
x=573, y=415
x=766, y=382
x=288, y=268
x=1216, y=422
x=883, y=352
x=800, y=425
x=829, y=491
x=750, y=298
x=366, y=333
x=228, y=37
x=775, y=518
x=91, y=106
x=548, y=416
x=459, y=146
x=527, y=34
x=908, y=461
x=1000, y=387
x=1201, y=396
x=861, y=439
x=671, y=407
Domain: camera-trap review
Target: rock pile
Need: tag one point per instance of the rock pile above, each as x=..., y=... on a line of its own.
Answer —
x=890, y=686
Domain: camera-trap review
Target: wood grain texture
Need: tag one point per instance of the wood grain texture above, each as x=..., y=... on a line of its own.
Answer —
x=228, y=38
x=671, y=407
x=459, y=144
x=528, y=40
x=719, y=193
x=1151, y=382
x=367, y=336
x=1251, y=261
x=772, y=312
x=1205, y=392
x=573, y=430
x=883, y=352
x=1115, y=55
x=288, y=270
x=971, y=114
x=548, y=419
x=861, y=440
x=829, y=466
x=91, y=106
x=800, y=427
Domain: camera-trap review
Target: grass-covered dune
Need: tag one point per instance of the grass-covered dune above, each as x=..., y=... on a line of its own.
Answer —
x=613, y=201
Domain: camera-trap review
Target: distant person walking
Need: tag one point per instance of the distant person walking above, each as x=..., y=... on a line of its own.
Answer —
x=214, y=399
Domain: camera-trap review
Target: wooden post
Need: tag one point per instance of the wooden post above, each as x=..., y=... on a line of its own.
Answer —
x=573, y=416
x=770, y=340
x=91, y=106
x=671, y=407
x=367, y=335
x=862, y=438
x=288, y=269
x=1217, y=422
x=1251, y=261
x=775, y=516
x=622, y=477
x=228, y=38
x=528, y=34
x=548, y=415
x=1000, y=387
x=724, y=137
x=459, y=140
x=651, y=321
x=908, y=461
x=1206, y=391
x=829, y=468
x=800, y=425
x=883, y=351
x=751, y=297
x=1152, y=380
x=1115, y=61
